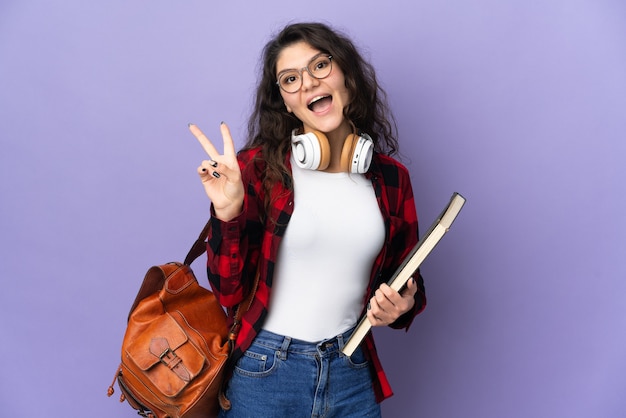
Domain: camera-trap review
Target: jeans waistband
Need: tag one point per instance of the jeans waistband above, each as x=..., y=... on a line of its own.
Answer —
x=286, y=343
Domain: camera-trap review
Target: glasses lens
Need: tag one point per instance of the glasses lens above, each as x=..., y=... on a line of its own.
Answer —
x=290, y=81
x=320, y=67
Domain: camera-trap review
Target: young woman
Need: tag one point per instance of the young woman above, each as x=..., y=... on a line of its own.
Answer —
x=314, y=205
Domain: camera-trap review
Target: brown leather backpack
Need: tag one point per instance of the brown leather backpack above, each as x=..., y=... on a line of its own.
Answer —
x=176, y=344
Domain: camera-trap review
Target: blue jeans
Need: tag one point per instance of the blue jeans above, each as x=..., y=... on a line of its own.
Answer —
x=283, y=377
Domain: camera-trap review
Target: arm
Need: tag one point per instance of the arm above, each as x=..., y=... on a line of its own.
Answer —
x=388, y=307
x=228, y=237
x=234, y=246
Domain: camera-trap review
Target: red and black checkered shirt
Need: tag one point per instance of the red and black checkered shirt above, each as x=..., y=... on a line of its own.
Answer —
x=236, y=249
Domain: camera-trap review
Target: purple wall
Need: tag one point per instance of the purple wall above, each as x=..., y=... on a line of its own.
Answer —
x=520, y=106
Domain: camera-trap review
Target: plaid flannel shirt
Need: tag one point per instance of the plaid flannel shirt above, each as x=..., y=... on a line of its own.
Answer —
x=250, y=242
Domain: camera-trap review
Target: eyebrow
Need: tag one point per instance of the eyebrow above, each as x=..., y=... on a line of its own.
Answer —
x=297, y=69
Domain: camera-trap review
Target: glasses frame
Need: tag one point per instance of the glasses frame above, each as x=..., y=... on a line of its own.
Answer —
x=308, y=70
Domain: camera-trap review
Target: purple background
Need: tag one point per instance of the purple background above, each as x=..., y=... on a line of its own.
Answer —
x=520, y=106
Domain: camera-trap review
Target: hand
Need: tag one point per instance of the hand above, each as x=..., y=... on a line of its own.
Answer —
x=387, y=305
x=220, y=174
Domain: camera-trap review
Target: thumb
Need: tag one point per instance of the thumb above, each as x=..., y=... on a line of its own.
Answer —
x=411, y=288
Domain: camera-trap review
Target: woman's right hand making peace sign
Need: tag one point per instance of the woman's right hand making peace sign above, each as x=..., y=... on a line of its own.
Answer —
x=220, y=174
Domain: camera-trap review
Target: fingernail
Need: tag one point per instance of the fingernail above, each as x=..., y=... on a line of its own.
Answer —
x=369, y=306
x=189, y=124
x=216, y=174
x=213, y=164
x=204, y=170
x=222, y=122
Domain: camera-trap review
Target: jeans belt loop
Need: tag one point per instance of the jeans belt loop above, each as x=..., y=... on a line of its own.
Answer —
x=283, y=349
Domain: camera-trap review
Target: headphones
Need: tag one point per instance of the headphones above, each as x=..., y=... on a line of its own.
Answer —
x=312, y=150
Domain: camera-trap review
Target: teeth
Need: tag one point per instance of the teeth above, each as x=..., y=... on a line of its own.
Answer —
x=315, y=99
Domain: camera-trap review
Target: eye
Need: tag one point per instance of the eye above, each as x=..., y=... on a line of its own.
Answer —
x=289, y=78
x=320, y=64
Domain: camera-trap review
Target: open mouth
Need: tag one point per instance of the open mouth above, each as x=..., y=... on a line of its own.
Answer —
x=320, y=103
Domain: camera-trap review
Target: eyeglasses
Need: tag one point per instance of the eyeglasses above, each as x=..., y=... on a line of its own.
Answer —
x=319, y=67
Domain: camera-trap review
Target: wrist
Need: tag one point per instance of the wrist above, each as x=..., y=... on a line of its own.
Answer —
x=229, y=213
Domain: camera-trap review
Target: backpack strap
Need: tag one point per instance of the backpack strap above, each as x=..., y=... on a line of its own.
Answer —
x=199, y=247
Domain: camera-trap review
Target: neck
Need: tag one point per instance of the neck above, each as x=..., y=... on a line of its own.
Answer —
x=336, y=140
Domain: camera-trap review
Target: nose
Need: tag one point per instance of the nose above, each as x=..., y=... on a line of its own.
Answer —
x=308, y=81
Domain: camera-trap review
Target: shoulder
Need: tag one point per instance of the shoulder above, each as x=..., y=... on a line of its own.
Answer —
x=251, y=161
x=248, y=154
x=389, y=162
x=390, y=169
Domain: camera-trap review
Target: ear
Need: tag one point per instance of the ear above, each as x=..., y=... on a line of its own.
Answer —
x=288, y=108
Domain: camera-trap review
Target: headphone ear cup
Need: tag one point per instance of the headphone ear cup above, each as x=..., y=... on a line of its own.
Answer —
x=324, y=147
x=356, y=154
x=311, y=150
x=347, y=152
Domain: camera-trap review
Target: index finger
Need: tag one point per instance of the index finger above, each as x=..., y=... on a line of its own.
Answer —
x=229, y=145
x=204, y=141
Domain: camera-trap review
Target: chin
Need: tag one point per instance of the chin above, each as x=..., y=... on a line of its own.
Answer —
x=327, y=126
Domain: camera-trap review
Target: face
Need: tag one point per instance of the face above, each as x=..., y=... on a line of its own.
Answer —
x=319, y=103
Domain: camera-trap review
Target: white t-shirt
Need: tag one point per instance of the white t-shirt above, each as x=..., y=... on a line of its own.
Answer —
x=326, y=256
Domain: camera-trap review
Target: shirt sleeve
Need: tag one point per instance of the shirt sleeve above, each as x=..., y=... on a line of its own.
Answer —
x=233, y=246
x=226, y=249
x=404, y=236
